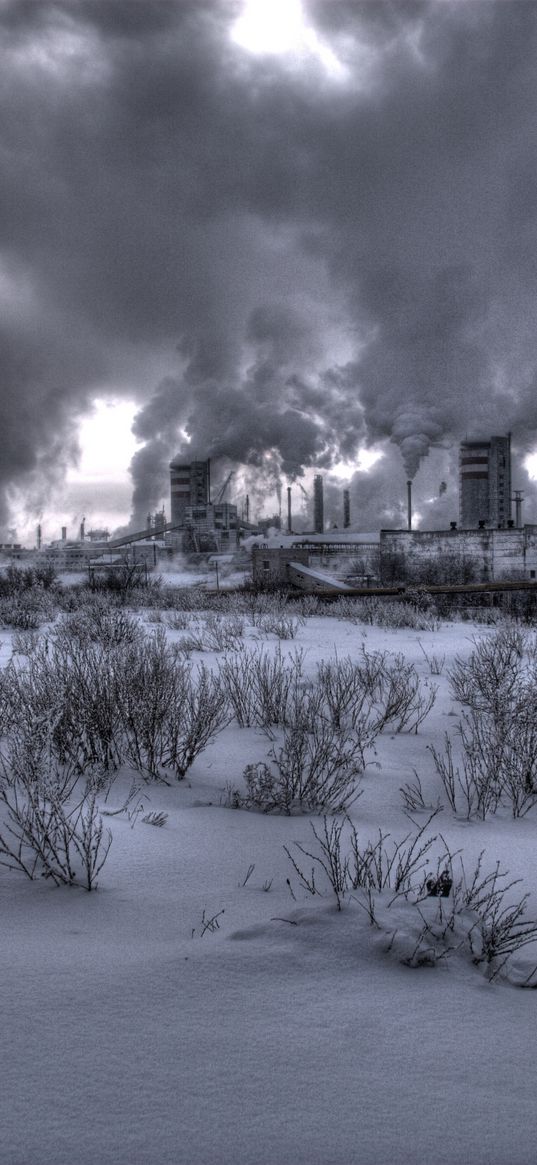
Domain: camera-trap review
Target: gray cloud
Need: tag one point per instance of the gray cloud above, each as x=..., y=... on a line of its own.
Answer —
x=313, y=264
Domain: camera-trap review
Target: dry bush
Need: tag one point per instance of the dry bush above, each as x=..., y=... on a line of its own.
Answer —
x=202, y=712
x=28, y=609
x=315, y=770
x=150, y=685
x=401, y=701
x=426, y=913
x=488, y=679
x=498, y=762
x=52, y=826
x=260, y=685
x=284, y=626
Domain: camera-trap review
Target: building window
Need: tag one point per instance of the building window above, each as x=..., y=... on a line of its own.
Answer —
x=266, y=564
x=532, y=574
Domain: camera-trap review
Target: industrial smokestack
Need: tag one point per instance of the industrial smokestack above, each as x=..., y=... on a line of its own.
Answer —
x=39, y=537
x=409, y=500
x=519, y=498
x=82, y=530
x=64, y=533
x=346, y=509
x=289, y=522
x=318, y=504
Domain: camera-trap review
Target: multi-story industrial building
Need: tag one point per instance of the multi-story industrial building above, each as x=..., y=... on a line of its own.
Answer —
x=189, y=486
x=485, y=482
x=205, y=526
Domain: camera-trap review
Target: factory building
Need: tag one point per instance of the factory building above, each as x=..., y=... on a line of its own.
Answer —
x=206, y=529
x=485, y=482
x=190, y=484
x=202, y=526
x=458, y=556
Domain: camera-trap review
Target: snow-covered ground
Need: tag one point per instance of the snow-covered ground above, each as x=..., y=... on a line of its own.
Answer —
x=286, y=1033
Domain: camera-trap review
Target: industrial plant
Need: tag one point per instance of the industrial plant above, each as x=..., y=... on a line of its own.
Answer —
x=485, y=543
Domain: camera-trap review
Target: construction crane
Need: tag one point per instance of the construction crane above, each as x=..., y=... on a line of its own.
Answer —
x=224, y=487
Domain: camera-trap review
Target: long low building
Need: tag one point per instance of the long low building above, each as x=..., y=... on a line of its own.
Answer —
x=479, y=555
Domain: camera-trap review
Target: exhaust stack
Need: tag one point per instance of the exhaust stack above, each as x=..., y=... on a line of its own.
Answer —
x=519, y=498
x=289, y=522
x=346, y=509
x=409, y=503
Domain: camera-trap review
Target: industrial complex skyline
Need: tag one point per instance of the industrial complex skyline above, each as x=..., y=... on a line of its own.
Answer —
x=280, y=234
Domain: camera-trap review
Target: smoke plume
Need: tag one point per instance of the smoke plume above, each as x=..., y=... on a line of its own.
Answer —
x=282, y=258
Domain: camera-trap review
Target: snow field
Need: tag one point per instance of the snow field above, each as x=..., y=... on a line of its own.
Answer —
x=288, y=1035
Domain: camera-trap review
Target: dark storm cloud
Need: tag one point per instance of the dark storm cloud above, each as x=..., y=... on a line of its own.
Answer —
x=316, y=262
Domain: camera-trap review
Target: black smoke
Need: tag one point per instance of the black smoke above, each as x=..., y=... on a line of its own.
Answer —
x=280, y=265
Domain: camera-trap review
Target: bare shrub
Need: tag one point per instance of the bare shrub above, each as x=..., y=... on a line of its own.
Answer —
x=502, y=929
x=72, y=686
x=489, y=677
x=435, y=663
x=27, y=609
x=151, y=684
x=52, y=825
x=372, y=867
x=413, y=797
x=284, y=626
x=99, y=622
x=256, y=604
x=436, y=913
x=315, y=770
x=308, y=606
x=25, y=642
x=402, y=703
x=155, y=818
x=201, y=712
x=177, y=620
x=223, y=633
x=391, y=614
x=260, y=685
x=235, y=672
x=498, y=764
x=15, y=579
x=88, y=731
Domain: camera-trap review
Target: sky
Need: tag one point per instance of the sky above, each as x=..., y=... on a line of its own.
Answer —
x=286, y=236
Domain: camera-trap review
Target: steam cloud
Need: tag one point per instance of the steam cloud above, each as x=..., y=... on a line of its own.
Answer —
x=280, y=265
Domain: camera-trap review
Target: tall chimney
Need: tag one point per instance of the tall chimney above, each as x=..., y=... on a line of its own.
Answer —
x=289, y=522
x=346, y=509
x=318, y=504
x=64, y=533
x=39, y=537
x=409, y=498
x=82, y=529
x=247, y=507
x=519, y=497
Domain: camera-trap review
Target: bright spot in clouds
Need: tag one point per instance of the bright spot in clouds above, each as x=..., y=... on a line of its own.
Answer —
x=278, y=27
x=530, y=464
x=106, y=442
x=366, y=458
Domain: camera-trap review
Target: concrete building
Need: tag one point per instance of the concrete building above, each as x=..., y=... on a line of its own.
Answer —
x=190, y=484
x=272, y=566
x=458, y=556
x=318, y=504
x=485, y=482
x=205, y=529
